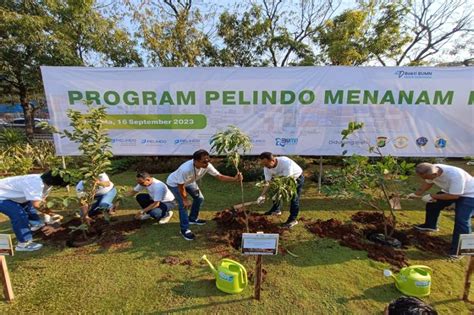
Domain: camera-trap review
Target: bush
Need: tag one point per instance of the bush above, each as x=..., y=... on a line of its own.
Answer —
x=249, y=166
x=122, y=164
x=300, y=160
x=159, y=164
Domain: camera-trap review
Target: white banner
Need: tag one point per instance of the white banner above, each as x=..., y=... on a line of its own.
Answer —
x=408, y=111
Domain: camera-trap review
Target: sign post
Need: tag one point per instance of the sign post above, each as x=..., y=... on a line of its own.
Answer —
x=6, y=248
x=259, y=244
x=466, y=248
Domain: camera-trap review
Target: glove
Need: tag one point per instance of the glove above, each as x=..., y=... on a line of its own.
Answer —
x=260, y=200
x=427, y=198
x=412, y=196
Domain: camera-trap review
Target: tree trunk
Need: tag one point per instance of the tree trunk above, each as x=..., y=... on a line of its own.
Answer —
x=28, y=114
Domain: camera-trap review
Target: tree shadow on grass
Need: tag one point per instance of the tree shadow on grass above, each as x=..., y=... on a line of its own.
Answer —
x=381, y=293
x=202, y=307
x=329, y=252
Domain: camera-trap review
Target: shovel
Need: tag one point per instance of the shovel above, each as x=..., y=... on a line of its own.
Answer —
x=243, y=205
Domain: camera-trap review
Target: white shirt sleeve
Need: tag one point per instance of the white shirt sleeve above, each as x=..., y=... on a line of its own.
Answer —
x=266, y=173
x=212, y=170
x=138, y=188
x=33, y=190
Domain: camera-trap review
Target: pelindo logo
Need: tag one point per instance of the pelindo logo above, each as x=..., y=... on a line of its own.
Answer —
x=405, y=74
x=186, y=141
x=153, y=141
x=124, y=141
x=282, y=142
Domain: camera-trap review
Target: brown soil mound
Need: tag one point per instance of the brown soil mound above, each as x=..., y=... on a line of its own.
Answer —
x=106, y=234
x=353, y=235
x=231, y=225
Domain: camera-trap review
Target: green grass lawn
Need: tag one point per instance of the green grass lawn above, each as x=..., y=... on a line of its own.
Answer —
x=131, y=278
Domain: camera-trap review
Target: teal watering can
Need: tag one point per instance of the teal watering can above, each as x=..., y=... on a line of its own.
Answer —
x=413, y=280
x=231, y=277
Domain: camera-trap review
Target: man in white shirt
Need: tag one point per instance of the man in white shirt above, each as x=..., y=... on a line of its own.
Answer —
x=282, y=166
x=457, y=186
x=20, y=198
x=183, y=182
x=157, y=203
x=104, y=196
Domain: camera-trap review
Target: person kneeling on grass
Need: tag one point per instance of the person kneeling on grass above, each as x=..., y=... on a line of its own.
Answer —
x=157, y=203
x=457, y=186
x=103, y=199
x=282, y=166
x=20, y=199
x=183, y=182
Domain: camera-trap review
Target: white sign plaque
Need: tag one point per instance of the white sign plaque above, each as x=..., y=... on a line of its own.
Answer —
x=260, y=243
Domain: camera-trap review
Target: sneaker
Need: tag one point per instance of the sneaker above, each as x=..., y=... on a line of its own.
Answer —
x=36, y=227
x=144, y=216
x=454, y=257
x=198, y=222
x=166, y=218
x=425, y=228
x=273, y=212
x=188, y=235
x=27, y=246
x=289, y=224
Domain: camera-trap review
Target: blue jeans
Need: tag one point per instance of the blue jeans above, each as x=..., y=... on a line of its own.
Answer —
x=144, y=200
x=198, y=198
x=104, y=201
x=295, y=201
x=20, y=215
x=464, y=207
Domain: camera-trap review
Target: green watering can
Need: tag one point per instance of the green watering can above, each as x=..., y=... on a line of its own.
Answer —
x=231, y=277
x=413, y=280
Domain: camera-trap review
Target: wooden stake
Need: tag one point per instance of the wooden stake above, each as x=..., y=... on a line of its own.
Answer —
x=7, y=285
x=467, y=281
x=64, y=167
x=258, y=277
x=320, y=173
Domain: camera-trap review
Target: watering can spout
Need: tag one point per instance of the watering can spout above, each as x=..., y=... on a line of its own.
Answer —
x=214, y=271
x=388, y=273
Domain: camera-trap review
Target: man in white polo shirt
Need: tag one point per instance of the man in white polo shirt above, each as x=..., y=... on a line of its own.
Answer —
x=157, y=203
x=457, y=186
x=282, y=166
x=183, y=182
x=20, y=199
x=103, y=198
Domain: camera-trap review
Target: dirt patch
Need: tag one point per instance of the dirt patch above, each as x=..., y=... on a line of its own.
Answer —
x=251, y=275
x=173, y=260
x=106, y=234
x=232, y=223
x=354, y=235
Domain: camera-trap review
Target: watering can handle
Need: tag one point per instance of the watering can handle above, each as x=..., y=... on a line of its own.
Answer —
x=424, y=268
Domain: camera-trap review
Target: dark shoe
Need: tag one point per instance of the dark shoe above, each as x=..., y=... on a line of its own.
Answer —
x=198, y=222
x=273, y=212
x=425, y=228
x=290, y=223
x=454, y=258
x=188, y=235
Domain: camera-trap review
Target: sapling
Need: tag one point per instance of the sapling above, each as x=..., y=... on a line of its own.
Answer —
x=232, y=143
x=89, y=132
x=374, y=183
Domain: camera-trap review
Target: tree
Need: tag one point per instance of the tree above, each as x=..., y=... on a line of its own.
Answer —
x=54, y=32
x=170, y=33
x=433, y=24
x=243, y=39
x=357, y=36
